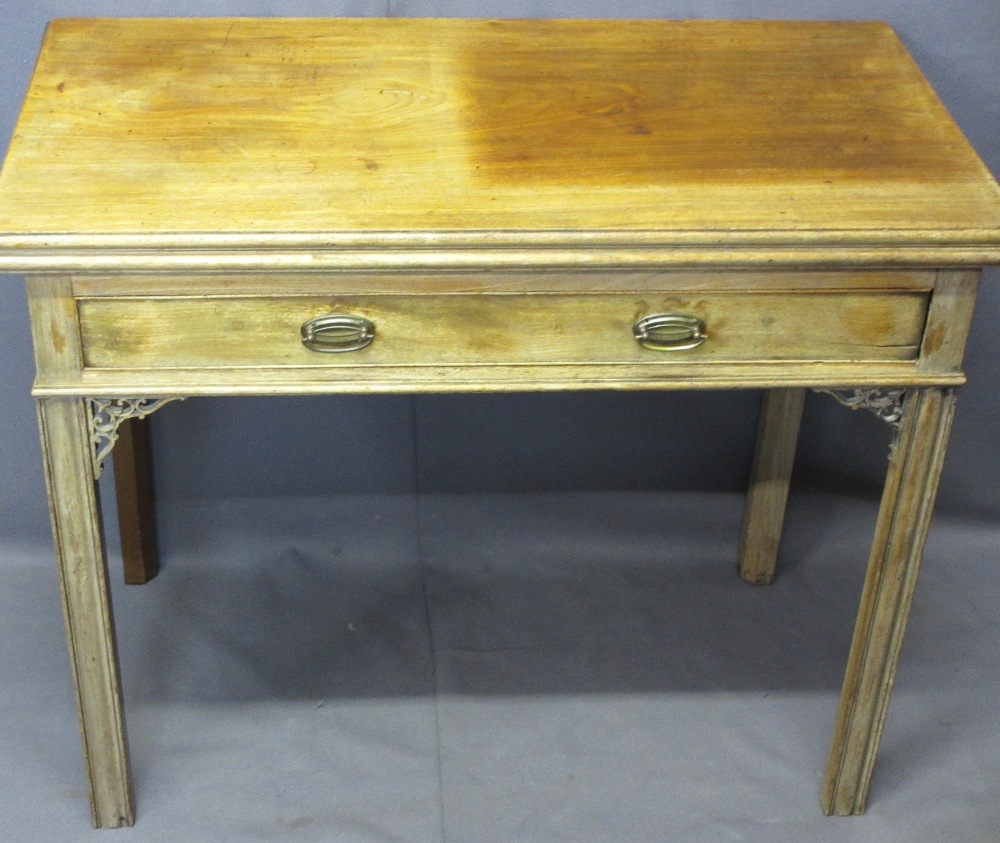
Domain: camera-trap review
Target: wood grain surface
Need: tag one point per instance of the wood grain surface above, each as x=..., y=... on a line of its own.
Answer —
x=427, y=132
x=474, y=329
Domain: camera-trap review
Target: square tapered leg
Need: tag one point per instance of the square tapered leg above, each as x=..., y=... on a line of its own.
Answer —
x=133, y=470
x=770, y=477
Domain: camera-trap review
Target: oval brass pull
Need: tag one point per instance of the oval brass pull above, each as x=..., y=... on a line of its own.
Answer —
x=669, y=331
x=337, y=332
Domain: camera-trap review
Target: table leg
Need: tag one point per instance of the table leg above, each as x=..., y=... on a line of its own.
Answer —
x=764, y=513
x=67, y=449
x=907, y=500
x=133, y=469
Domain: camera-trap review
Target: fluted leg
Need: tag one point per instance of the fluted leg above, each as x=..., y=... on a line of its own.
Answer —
x=907, y=500
x=67, y=451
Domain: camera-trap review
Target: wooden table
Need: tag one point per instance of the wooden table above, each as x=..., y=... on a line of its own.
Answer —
x=240, y=206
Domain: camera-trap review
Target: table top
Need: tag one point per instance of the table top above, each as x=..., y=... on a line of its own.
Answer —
x=814, y=140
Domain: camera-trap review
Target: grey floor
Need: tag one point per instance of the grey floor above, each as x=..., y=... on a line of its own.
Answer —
x=546, y=667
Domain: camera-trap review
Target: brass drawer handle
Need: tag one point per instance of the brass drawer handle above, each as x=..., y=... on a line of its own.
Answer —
x=337, y=332
x=669, y=331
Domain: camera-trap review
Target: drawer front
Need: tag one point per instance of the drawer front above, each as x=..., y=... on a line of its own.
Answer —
x=468, y=330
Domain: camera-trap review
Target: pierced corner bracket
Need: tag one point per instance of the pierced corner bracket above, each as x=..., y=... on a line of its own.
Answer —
x=106, y=416
x=887, y=404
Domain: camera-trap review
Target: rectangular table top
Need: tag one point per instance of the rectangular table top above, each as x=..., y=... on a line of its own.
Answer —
x=812, y=139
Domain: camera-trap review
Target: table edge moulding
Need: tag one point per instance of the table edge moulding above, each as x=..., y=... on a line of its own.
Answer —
x=265, y=206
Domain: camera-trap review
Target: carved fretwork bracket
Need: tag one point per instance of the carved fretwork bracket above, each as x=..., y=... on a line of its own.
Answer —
x=107, y=414
x=887, y=404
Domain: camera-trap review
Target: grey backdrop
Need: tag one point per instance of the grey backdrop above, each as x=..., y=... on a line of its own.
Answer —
x=281, y=446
